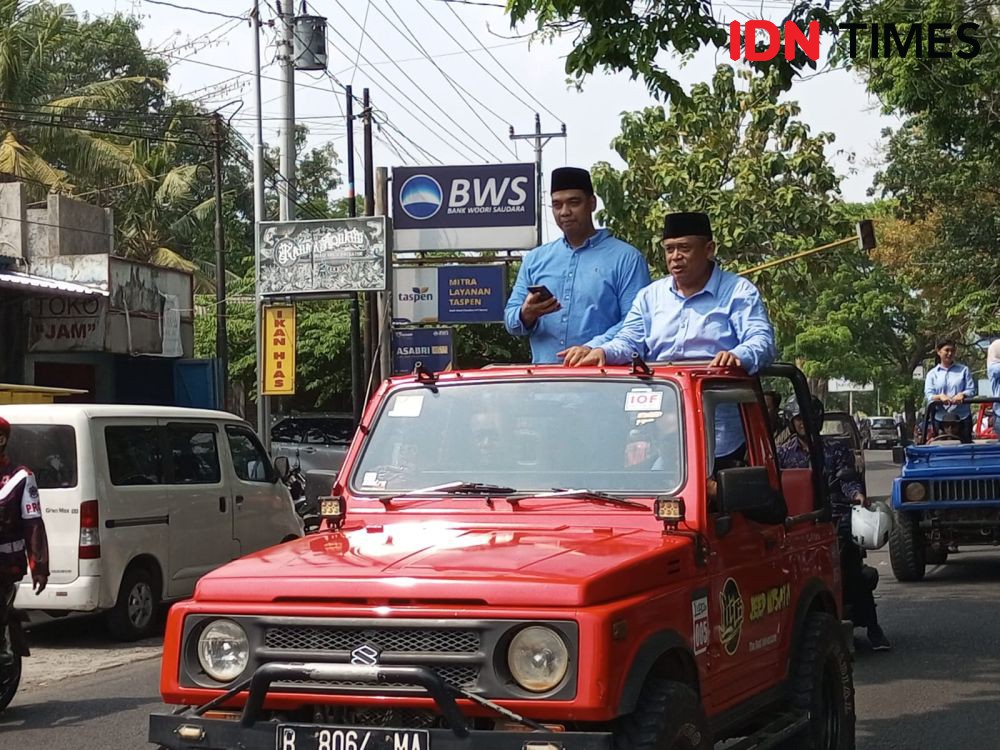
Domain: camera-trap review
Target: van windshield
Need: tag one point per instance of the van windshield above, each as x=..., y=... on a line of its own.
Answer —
x=49, y=450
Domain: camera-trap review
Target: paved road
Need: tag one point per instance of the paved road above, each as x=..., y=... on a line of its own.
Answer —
x=938, y=688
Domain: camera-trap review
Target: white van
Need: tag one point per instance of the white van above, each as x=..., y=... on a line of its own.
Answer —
x=140, y=501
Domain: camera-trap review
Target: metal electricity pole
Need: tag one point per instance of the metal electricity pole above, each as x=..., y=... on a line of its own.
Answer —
x=541, y=140
x=263, y=432
x=357, y=385
x=371, y=310
x=384, y=338
x=221, y=345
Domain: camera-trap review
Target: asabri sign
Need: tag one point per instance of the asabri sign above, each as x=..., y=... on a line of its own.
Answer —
x=479, y=207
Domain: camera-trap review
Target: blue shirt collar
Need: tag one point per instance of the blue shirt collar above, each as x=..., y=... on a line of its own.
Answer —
x=711, y=286
x=592, y=240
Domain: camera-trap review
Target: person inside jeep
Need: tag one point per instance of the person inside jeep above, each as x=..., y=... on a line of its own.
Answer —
x=837, y=462
x=951, y=429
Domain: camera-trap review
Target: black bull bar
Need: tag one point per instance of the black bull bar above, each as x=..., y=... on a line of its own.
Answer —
x=186, y=731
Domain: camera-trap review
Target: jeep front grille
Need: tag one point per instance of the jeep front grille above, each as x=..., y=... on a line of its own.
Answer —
x=390, y=640
x=943, y=490
x=455, y=651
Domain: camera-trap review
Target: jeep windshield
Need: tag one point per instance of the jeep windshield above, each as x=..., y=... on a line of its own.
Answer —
x=533, y=436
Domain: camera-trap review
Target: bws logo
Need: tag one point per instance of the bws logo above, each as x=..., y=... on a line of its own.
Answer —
x=420, y=197
x=418, y=294
x=886, y=40
x=486, y=196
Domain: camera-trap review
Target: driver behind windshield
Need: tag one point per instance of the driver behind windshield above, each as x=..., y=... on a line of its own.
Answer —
x=950, y=428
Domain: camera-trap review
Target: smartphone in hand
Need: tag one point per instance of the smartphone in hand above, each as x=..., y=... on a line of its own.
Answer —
x=542, y=290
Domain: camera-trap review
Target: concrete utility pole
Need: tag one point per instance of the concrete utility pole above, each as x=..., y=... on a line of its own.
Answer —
x=541, y=140
x=263, y=431
x=357, y=386
x=286, y=208
x=221, y=344
x=384, y=337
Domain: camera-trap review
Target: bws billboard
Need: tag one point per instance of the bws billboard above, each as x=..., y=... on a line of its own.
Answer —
x=478, y=207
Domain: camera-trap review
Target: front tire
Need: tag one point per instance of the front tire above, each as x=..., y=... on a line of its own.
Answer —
x=907, y=548
x=10, y=678
x=822, y=683
x=668, y=716
x=134, y=615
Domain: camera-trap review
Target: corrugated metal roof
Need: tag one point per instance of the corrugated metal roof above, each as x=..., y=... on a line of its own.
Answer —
x=26, y=281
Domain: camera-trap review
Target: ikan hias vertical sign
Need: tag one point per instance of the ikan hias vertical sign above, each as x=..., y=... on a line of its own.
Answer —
x=279, y=350
x=476, y=207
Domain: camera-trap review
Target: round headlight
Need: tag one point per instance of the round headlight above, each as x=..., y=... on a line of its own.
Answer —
x=223, y=650
x=915, y=492
x=538, y=659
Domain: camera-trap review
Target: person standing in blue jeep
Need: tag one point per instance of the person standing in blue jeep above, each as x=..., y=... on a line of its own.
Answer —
x=950, y=383
x=847, y=492
x=584, y=282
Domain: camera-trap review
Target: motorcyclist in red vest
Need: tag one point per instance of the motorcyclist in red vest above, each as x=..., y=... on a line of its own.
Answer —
x=22, y=536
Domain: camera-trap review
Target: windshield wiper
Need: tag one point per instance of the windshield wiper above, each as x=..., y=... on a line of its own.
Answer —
x=455, y=488
x=592, y=496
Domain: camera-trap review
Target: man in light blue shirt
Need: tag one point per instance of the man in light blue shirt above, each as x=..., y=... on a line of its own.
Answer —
x=698, y=312
x=589, y=277
x=950, y=383
x=993, y=373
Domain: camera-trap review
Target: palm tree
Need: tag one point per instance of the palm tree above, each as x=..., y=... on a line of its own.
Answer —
x=53, y=139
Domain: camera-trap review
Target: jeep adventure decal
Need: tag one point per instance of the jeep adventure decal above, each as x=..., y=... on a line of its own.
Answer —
x=731, y=604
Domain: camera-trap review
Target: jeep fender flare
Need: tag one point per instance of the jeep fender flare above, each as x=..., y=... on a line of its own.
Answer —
x=652, y=649
x=815, y=596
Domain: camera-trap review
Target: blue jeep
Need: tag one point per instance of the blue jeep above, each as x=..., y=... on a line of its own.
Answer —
x=947, y=494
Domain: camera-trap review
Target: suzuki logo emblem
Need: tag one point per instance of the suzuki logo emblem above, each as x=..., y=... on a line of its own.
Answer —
x=365, y=655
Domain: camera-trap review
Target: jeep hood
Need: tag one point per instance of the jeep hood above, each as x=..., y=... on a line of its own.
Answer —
x=938, y=460
x=445, y=562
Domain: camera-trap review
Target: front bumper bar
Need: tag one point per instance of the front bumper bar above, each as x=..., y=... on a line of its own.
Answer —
x=191, y=731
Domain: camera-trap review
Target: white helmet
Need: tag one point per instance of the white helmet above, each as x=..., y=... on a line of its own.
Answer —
x=870, y=527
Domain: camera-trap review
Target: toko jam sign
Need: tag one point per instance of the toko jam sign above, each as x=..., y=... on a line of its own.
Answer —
x=478, y=207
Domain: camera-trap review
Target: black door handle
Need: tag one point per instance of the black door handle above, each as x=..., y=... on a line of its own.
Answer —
x=222, y=505
x=239, y=499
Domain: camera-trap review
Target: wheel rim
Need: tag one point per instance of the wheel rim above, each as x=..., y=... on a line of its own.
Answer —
x=140, y=605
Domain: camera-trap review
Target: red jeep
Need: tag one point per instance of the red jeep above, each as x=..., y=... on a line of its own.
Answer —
x=534, y=558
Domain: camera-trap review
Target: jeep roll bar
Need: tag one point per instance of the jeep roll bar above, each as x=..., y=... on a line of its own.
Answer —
x=935, y=405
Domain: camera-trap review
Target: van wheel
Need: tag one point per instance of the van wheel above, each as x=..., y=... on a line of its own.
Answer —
x=134, y=614
x=668, y=716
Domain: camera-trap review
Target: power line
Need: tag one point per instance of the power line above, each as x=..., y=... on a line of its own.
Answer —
x=89, y=128
x=418, y=88
x=492, y=57
x=364, y=25
x=475, y=2
x=515, y=43
x=458, y=88
x=197, y=10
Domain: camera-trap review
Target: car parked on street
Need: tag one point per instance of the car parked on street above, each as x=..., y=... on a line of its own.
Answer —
x=884, y=433
x=317, y=444
x=141, y=501
x=532, y=558
x=946, y=496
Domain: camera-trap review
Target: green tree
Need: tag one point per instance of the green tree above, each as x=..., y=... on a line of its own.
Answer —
x=48, y=137
x=640, y=37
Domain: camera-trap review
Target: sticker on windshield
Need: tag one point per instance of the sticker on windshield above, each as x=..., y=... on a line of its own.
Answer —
x=407, y=406
x=370, y=479
x=643, y=399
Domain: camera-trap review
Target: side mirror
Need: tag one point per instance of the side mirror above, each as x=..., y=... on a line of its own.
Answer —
x=745, y=489
x=898, y=455
x=282, y=467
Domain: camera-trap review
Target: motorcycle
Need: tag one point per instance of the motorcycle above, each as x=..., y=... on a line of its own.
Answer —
x=295, y=481
x=10, y=674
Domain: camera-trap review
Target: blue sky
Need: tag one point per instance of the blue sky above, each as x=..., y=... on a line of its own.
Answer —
x=466, y=119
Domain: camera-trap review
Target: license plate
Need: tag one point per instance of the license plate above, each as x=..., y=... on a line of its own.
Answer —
x=313, y=737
